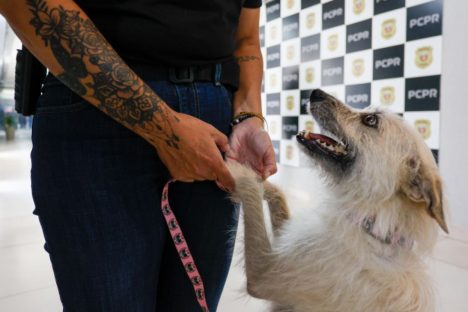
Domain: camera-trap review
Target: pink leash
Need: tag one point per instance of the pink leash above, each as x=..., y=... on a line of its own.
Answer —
x=182, y=249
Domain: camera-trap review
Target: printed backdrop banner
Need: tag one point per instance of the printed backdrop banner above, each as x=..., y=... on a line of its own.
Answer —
x=365, y=52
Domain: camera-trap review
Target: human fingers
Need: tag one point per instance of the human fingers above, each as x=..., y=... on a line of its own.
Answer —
x=220, y=139
x=269, y=163
x=224, y=178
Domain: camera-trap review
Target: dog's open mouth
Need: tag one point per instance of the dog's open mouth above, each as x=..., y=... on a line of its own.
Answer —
x=326, y=143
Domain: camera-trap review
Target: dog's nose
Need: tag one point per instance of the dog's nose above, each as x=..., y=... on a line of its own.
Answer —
x=317, y=95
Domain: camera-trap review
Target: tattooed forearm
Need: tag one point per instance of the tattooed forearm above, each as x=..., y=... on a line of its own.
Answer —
x=92, y=69
x=247, y=58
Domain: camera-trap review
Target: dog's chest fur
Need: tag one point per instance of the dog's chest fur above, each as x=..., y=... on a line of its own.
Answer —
x=335, y=266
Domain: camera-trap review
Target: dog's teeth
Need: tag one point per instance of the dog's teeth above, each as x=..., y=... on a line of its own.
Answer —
x=338, y=148
x=330, y=147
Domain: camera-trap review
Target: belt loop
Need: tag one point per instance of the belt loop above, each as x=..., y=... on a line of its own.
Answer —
x=217, y=77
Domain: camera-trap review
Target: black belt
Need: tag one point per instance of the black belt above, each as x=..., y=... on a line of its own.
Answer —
x=222, y=73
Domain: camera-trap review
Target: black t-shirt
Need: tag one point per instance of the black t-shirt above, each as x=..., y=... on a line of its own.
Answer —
x=176, y=32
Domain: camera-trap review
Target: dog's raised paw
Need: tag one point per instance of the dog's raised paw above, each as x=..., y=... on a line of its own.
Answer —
x=240, y=171
x=245, y=178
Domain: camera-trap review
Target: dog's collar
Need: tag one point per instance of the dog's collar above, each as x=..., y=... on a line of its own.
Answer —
x=393, y=238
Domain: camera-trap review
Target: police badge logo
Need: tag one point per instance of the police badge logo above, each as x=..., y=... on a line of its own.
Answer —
x=424, y=128
x=290, y=102
x=309, y=74
x=388, y=28
x=273, y=127
x=273, y=81
x=387, y=95
x=310, y=20
x=332, y=42
x=359, y=6
x=423, y=57
x=309, y=125
x=273, y=32
x=358, y=67
x=289, y=152
x=290, y=52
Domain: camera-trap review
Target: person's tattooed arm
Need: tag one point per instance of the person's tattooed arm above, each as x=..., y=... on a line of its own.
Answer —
x=84, y=61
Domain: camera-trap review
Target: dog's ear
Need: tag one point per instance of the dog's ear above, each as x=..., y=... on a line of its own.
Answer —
x=423, y=185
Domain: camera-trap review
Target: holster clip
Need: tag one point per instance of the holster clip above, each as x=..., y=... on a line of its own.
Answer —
x=29, y=76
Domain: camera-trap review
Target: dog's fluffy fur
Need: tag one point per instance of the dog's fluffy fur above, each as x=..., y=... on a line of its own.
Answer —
x=323, y=259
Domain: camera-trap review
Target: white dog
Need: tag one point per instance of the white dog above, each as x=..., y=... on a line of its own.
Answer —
x=362, y=249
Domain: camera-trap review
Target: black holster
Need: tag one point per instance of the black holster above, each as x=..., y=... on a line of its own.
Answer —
x=29, y=76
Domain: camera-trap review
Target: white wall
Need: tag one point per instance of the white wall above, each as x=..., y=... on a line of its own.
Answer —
x=454, y=109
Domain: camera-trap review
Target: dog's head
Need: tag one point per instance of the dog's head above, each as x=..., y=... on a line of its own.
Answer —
x=373, y=156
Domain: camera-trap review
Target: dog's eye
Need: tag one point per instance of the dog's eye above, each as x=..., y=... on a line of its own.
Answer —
x=370, y=120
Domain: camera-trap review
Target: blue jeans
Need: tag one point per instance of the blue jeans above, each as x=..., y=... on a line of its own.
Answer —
x=96, y=187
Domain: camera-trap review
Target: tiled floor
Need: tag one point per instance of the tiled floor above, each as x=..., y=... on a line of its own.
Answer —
x=27, y=283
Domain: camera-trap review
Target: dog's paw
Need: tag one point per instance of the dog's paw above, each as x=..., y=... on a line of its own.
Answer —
x=240, y=171
x=244, y=176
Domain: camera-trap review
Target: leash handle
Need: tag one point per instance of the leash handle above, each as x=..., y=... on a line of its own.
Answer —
x=183, y=249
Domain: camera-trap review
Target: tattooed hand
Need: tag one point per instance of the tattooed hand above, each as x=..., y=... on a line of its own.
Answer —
x=198, y=156
x=90, y=67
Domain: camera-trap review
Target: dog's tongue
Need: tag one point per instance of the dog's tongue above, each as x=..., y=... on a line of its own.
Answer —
x=323, y=138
